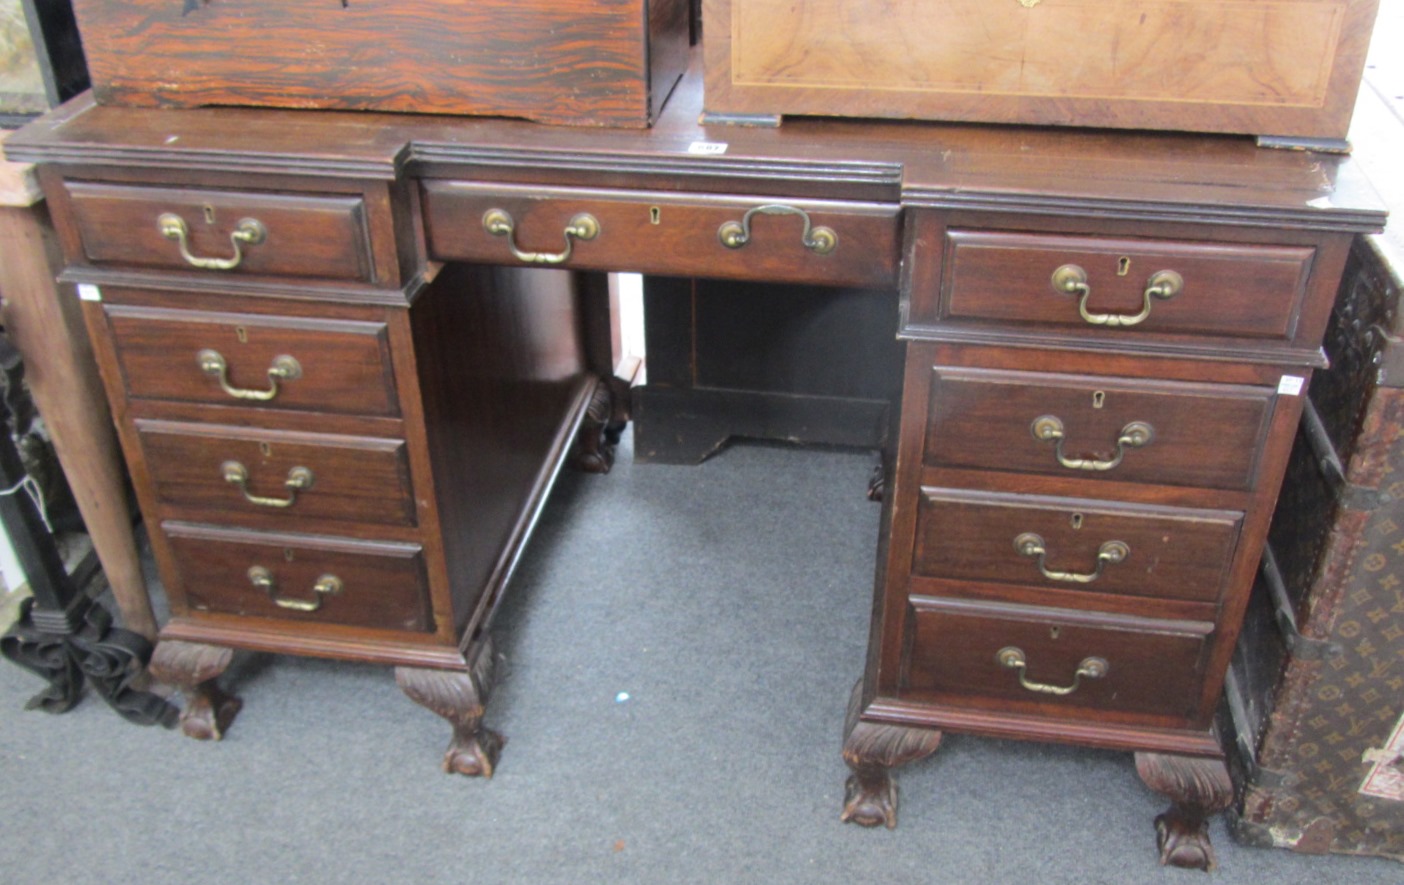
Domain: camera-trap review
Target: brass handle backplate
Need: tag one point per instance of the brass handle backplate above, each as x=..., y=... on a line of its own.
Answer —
x=248, y=232
x=1030, y=544
x=299, y=479
x=326, y=585
x=1013, y=658
x=819, y=240
x=284, y=368
x=499, y=223
x=1072, y=280
x=1049, y=428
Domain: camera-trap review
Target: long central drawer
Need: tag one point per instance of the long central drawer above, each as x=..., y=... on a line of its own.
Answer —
x=824, y=242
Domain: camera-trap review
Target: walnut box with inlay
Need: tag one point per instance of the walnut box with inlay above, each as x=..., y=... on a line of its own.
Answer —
x=1261, y=67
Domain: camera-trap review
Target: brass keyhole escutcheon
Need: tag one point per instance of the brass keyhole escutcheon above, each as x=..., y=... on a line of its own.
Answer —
x=1123, y=266
x=655, y=215
x=1099, y=399
x=209, y=213
x=1076, y=521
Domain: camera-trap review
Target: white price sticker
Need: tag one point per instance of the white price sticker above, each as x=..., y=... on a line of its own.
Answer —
x=1290, y=385
x=1386, y=777
x=707, y=147
x=89, y=292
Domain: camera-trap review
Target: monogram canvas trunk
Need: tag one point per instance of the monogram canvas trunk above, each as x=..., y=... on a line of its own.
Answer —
x=1316, y=690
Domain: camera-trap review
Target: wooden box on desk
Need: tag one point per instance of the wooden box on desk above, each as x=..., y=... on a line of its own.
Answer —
x=1261, y=67
x=578, y=62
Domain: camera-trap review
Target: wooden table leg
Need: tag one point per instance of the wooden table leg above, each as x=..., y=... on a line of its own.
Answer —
x=460, y=696
x=46, y=324
x=871, y=751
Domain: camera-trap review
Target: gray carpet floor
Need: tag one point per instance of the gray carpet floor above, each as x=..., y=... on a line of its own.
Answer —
x=679, y=643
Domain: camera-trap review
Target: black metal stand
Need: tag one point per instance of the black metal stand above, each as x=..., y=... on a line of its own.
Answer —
x=63, y=636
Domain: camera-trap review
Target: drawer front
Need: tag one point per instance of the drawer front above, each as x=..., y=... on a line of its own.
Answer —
x=222, y=231
x=244, y=359
x=1124, y=287
x=1072, y=544
x=1020, y=656
x=835, y=243
x=313, y=580
x=215, y=471
x=1097, y=428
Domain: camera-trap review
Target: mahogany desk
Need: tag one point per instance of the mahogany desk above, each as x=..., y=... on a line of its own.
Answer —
x=344, y=384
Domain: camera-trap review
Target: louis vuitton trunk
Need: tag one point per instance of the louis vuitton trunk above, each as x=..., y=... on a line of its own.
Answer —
x=1316, y=690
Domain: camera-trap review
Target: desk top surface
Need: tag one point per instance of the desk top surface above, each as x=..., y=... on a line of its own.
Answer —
x=1175, y=176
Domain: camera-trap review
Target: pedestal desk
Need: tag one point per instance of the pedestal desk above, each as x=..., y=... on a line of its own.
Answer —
x=344, y=381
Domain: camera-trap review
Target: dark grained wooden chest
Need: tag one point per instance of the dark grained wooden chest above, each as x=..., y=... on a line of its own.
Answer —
x=1316, y=691
x=578, y=62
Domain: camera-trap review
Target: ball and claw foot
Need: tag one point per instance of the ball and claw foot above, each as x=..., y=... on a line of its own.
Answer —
x=193, y=668
x=473, y=755
x=460, y=697
x=877, y=483
x=209, y=711
x=1198, y=787
x=870, y=800
x=871, y=750
x=1184, y=841
x=603, y=425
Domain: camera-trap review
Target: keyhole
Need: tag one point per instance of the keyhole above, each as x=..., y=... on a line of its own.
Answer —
x=654, y=214
x=266, y=449
x=209, y=214
x=1123, y=267
x=1099, y=398
x=1054, y=631
x=1076, y=520
x=288, y=554
x=242, y=334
